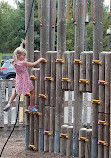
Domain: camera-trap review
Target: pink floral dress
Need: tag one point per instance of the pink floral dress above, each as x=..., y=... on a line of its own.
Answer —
x=23, y=83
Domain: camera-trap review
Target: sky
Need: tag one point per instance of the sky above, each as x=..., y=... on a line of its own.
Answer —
x=107, y=2
x=11, y=2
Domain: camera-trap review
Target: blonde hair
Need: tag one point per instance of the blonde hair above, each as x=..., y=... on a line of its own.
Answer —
x=18, y=51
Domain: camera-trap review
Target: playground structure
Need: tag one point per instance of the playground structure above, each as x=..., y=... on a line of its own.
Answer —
x=7, y=119
x=63, y=70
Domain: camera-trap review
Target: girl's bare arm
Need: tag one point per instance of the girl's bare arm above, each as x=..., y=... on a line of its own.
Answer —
x=31, y=64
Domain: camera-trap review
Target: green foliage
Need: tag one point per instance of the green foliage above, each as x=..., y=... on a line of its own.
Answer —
x=12, y=27
x=70, y=40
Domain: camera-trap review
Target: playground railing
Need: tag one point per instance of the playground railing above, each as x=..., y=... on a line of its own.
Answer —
x=7, y=119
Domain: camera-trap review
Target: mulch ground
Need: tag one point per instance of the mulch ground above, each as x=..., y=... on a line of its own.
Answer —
x=15, y=147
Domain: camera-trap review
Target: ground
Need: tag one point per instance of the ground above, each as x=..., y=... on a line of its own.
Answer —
x=15, y=147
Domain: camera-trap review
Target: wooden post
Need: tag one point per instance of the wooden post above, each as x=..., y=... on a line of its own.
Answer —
x=71, y=70
x=46, y=128
x=106, y=136
x=65, y=71
x=17, y=99
x=29, y=27
x=52, y=25
x=9, y=95
x=27, y=100
x=85, y=105
x=2, y=98
x=97, y=48
x=88, y=143
x=52, y=129
x=101, y=98
x=70, y=108
x=31, y=132
x=63, y=139
x=36, y=131
x=79, y=47
x=110, y=117
x=52, y=100
x=89, y=57
x=44, y=47
x=53, y=75
x=69, y=141
x=31, y=125
x=107, y=103
x=36, y=57
x=47, y=101
x=70, y=87
x=47, y=74
x=36, y=117
x=82, y=138
x=37, y=87
x=61, y=47
x=82, y=85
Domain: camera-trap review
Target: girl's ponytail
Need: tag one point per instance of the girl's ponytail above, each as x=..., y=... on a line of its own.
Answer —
x=23, y=44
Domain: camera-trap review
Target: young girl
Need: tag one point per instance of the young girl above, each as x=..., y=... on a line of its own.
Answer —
x=23, y=83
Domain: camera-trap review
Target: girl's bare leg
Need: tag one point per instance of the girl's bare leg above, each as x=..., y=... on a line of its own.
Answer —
x=13, y=96
x=7, y=107
x=32, y=97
